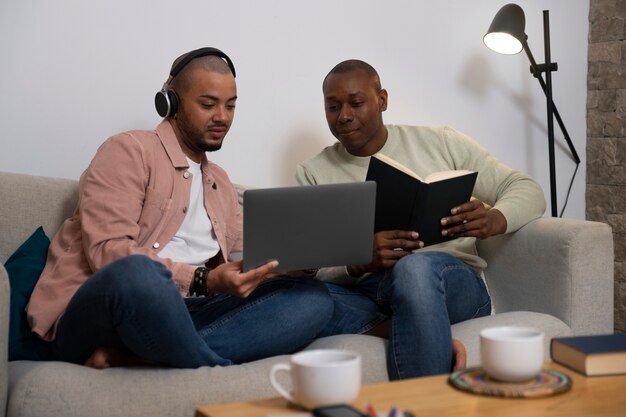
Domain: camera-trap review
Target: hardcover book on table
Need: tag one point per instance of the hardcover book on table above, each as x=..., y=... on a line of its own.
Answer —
x=591, y=355
x=404, y=201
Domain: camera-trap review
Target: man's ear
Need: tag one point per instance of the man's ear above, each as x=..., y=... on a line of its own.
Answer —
x=382, y=99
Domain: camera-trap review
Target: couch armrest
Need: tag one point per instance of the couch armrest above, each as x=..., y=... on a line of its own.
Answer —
x=562, y=267
x=5, y=298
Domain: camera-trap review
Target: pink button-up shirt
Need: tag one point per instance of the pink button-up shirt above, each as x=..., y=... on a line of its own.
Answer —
x=132, y=199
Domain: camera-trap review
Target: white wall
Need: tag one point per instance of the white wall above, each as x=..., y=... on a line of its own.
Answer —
x=75, y=72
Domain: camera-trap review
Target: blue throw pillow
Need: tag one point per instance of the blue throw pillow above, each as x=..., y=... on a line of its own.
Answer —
x=24, y=268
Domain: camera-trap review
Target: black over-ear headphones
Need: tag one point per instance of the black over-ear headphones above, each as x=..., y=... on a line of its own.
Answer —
x=165, y=101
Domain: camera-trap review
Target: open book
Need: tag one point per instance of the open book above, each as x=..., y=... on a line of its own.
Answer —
x=404, y=201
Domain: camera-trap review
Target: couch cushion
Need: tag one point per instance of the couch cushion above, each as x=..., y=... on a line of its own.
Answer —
x=372, y=349
x=24, y=267
x=29, y=202
x=65, y=389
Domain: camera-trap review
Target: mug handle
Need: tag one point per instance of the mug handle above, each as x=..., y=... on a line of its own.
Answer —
x=281, y=390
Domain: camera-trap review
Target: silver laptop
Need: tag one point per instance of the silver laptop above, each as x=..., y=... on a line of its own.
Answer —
x=309, y=227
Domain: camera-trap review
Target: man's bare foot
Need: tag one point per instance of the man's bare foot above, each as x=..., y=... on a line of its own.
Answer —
x=108, y=357
x=460, y=355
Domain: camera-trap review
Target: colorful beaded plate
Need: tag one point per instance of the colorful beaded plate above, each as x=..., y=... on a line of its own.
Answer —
x=475, y=380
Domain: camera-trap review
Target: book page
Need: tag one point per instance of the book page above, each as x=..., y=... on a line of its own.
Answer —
x=444, y=175
x=397, y=165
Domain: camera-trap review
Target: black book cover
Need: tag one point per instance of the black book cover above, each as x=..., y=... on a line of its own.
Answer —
x=403, y=202
x=602, y=343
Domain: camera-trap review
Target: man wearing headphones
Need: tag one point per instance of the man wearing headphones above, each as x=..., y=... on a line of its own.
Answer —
x=141, y=272
x=418, y=291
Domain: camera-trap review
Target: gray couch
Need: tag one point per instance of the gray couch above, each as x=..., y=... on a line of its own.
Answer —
x=554, y=274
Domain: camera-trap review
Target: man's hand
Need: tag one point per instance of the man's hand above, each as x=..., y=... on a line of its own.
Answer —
x=389, y=247
x=227, y=278
x=474, y=219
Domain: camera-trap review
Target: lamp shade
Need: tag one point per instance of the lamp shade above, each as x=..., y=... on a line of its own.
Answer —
x=506, y=33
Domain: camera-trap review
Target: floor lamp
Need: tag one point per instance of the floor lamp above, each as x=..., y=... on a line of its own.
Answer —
x=506, y=35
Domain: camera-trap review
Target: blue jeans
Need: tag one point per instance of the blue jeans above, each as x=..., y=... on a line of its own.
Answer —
x=133, y=304
x=423, y=294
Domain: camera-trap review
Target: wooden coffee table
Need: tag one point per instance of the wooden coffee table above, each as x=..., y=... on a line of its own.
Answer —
x=433, y=396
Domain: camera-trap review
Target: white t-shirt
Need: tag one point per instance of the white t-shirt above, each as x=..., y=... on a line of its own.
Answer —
x=195, y=242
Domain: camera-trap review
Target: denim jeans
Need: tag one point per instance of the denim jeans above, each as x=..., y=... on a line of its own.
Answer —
x=133, y=304
x=423, y=294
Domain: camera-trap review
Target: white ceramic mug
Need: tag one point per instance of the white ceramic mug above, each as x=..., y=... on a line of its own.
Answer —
x=320, y=377
x=511, y=353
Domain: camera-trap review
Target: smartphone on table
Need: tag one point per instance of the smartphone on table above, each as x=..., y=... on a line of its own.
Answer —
x=340, y=410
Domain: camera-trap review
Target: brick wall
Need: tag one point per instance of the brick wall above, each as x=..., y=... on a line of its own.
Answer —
x=606, y=133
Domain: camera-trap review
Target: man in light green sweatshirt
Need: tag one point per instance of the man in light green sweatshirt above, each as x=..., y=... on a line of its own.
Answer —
x=419, y=290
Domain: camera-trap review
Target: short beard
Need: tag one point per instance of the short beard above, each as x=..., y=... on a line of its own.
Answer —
x=193, y=137
x=210, y=148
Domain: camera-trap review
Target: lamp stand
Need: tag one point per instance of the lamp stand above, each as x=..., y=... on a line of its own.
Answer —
x=552, y=112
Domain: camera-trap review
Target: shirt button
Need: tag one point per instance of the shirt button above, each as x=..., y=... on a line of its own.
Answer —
x=184, y=209
x=156, y=245
x=186, y=174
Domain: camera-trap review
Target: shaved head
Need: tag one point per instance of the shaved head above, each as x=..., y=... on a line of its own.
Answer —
x=356, y=65
x=208, y=63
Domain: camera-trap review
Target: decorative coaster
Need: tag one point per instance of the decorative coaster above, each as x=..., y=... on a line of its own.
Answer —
x=475, y=380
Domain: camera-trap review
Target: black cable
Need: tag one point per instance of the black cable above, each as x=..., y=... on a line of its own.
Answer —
x=569, y=189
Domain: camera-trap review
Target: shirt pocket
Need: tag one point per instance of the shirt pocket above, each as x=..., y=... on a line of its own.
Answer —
x=155, y=205
x=232, y=235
